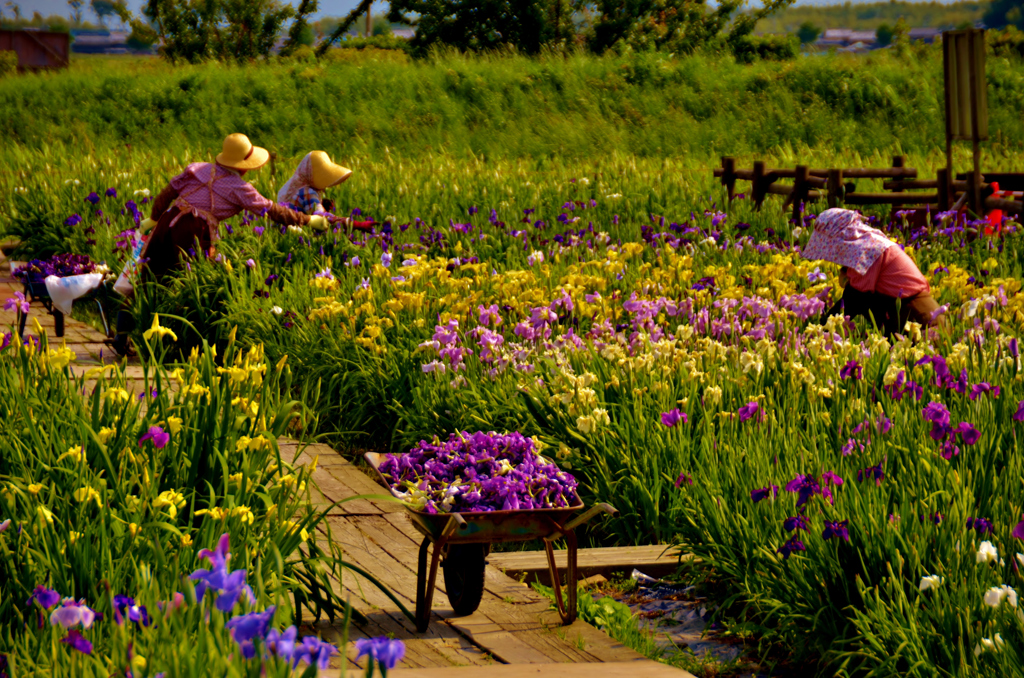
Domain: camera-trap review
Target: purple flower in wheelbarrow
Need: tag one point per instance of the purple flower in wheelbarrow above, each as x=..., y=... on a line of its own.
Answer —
x=157, y=435
x=17, y=302
x=386, y=652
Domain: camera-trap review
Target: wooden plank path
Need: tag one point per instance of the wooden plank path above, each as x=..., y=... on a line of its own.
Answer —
x=514, y=625
x=530, y=566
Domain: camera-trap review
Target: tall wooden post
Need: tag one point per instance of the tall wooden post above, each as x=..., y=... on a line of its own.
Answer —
x=729, y=176
x=369, y=22
x=835, y=187
x=898, y=161
x=758, y=187
x=945, y=197
x=799, y=191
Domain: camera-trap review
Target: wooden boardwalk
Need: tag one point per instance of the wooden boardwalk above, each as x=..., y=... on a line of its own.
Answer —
x=513, y=625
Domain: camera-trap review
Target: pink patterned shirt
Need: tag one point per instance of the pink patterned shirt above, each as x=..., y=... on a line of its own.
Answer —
x=216, y=193
x=893, y=274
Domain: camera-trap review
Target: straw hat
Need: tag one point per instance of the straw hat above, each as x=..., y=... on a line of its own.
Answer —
x=326, y=173
x=239, y=153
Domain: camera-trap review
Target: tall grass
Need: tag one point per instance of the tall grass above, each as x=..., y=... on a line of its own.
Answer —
x=503, y=106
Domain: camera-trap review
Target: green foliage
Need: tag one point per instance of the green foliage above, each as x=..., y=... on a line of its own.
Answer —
x=1003, y=13
x=481, y=25
x=884, y=35
x=750, y=48
x=1006, y=43
x=103, y=9
x=142, y=36
x=870, y=15
x=300, y=33
x=8, y=62
x=380, y=26
x=195, y=30
x=807, y=32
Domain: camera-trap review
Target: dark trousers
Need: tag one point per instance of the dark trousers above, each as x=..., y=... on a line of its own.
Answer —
x=888, y=316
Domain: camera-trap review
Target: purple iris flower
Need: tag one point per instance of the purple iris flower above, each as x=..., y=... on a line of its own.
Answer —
x=983, y=387
x=806, y=486
x=157, y=435
x=836, y=529
x=936, y=413
x=832, y=478
x=282, y=644
x=851, y=370
x=968, y=433
x=790, y=546
x=247, y=627
x=386, y=652
x=673, y=417
x=3, y=527
x=763, y=493
x=93, y=198
x=875, y=472
x=1018, y=530
x=124, y=606
x=981, y=525
x=71, y=613
x=683, y=479
x=748, y=410
x=230, y=585
x=73, y=220
x=46, y=598
x=315, y=651
x=1019, y=414
x=111, y=193
x=797, y=523
x=76, y=640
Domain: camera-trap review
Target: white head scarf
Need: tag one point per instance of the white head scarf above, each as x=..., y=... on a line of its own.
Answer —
x=303, y=178
x=844, y=237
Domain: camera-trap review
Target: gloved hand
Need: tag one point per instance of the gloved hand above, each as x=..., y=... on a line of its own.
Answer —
x=318, y=223
x=146, y=226
x=363, y=225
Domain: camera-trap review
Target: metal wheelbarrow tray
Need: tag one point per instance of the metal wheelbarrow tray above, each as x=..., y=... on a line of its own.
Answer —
x=463, y=541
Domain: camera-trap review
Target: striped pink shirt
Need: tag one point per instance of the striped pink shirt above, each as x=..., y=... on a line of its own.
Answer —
x=216, y=193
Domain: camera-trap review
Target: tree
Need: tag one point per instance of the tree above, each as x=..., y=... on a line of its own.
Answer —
x=884, y=35
x=381, y=26
x=76, y=10
x=478, y=25
x=1003, y=13
x=675, y=25
x=807, y=32
x=103, y=9
x=194, y=30
x=300, y=33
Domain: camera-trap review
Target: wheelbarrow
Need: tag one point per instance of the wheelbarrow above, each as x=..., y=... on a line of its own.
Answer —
x=35, y=290
x=462, y=542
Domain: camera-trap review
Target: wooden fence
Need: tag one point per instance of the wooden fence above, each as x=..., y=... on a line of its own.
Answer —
x=834, y=185
x=37, y=49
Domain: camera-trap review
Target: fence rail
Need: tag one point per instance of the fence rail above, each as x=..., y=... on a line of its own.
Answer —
x=835, y=186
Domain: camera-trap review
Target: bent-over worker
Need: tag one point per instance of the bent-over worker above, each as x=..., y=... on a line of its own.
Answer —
x=878, y=272
x=304, y=191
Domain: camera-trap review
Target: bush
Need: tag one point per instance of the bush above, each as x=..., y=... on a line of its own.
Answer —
x=8, y=62
x=751, y=48
x=1009, y=42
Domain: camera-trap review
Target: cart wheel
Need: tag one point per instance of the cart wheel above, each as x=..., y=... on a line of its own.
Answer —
x=464, y=576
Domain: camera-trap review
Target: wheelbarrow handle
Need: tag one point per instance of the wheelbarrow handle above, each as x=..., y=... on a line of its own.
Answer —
x=588, y=515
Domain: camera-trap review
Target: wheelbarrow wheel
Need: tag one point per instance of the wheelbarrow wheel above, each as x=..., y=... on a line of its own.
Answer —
x=464, y=576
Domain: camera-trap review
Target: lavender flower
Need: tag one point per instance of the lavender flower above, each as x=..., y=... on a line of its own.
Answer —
x=836, y=529
x=763, y=493
x=156, y=434
x=673, y=417
x=76, y=640
x=386, y=652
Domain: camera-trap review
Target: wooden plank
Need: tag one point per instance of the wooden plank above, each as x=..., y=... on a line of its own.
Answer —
x=656, y=561
x=644, y=669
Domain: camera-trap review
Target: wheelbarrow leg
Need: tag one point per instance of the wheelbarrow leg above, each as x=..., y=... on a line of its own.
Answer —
x=425, y=584
x=566, y=611
x=58, y=323
x=22, y=317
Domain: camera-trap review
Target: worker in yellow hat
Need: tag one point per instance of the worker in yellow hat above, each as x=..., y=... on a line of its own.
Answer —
x=186, y=215
x=304, y=191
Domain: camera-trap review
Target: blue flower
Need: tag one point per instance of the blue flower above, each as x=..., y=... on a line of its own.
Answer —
x=386, y=652
x=93, y=198
x=247, y=627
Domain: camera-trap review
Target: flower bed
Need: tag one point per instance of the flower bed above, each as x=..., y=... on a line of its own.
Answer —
x=478, y=472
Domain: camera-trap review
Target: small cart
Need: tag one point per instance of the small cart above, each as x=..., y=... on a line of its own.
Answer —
x=463, y=541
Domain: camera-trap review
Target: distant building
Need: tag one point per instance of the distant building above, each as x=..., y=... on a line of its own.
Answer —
x=99, y=42
x=847, y=40
x=407, y=33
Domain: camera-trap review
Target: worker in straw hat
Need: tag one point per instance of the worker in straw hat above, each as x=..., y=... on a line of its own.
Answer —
x=186, y=215
x=880, y=279
x=304, y=191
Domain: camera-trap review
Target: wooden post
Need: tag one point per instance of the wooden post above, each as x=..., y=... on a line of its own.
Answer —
x=976, y=205
x=942, y=178
x=369, y=23
x=947, y=58
x=759, y=188
x=799, y=191
x=897, y=162
x=729, y=176
x=835, y=187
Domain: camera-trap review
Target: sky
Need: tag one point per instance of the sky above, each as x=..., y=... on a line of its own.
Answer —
x=327, y=7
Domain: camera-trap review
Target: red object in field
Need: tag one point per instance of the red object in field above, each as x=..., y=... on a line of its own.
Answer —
x=995, y=217
x=363, y=225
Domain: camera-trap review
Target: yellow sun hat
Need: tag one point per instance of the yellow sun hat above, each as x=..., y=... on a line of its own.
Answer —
x=326, y=173
x=240, y=153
